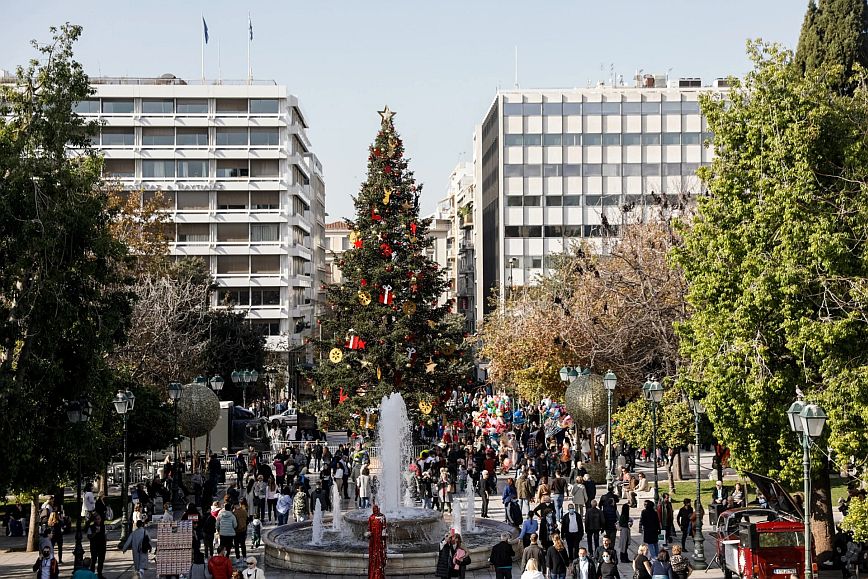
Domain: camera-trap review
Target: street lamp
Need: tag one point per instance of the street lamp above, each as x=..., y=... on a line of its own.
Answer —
x=124, y=402
x=610, y=381
x=698, y=540
x=513, y=261
x=216, y=383
x=654, y=394
x=174, y=394
x=243, y=379
x=807, y=420
x=78, y=411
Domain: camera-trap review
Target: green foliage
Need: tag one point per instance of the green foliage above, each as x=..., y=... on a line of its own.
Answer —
x=64, y=302
x=233, y=344
x=776, y=264
x=834, y=40
x=404, y=337
x=856, y=519
x=675, y=425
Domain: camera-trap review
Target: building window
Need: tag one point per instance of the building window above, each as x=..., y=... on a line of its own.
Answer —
x=266, y=296
x=232, y=232
x=611, y=200
x=512, y=109
x=572, y=200
x=265, y=137
x=119, y=168
x=192, y=137
x=513, y=170
x=193, y=169
x=650, y=108
x=628, y=139
x=263, y=106
x=651, y=170
x=592, y=108
x=593, y=200
x=231, y=137
x=531, y=109
x=671, y=169
x=264, y=168
x=690, y=108
x=532, y=200
x=611, y=108
x=552, y=170
x=691, y=139
x=651, y=139
x=552, y=140
x=158, y=137
x=572, y=231
x=193, y=200
x=158, y=169
x=631, y=169
x=266, y=327
x=533, y=170
x=232, y=168
x=592, y=139
x=532, y=140
x=120, y=136
x=631, y=108
x=552, y=109
x=192, y=106
x=513, y=140
x=671, y=107
x=554, y=201
x=512, y=231
x=265, y=264
x=554, y=231
x=234, y=264
x=158, y=106
x=593, y=170
x=264, y=200
x=231, y=106
x=264, y=232
x=117, y=106
x=571, y=139
x=572, y=109
x=612, y=139
x=689, y=168
x=88, y=107
x=231, y=200
x=193, y=233
x=611, y=170
x=671, y=138
x=513, y=201
x=233, y=297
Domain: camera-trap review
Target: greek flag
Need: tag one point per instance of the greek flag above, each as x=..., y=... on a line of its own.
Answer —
x=205, y=27
x=250, y=26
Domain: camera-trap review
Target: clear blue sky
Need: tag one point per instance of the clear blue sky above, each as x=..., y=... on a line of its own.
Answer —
x=437, y=63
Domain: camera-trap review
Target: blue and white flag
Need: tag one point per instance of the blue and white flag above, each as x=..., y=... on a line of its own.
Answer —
x=205, y=27
x=250, y=26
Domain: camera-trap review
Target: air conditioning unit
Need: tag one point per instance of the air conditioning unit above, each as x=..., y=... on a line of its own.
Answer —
x=689, y=83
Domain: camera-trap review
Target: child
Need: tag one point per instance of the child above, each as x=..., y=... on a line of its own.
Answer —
x=256, y=525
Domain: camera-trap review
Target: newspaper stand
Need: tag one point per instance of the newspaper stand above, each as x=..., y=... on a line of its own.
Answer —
x=174, y=547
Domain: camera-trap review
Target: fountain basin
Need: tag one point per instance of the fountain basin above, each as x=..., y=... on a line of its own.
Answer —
x=288, y=547
x=406, y=525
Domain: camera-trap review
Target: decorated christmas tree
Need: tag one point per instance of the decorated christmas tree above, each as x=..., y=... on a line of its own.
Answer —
x=384, y=328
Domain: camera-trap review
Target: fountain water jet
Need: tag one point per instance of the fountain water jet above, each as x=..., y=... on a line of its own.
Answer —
x=470, y=518
x=337, y=519
x=317, y=526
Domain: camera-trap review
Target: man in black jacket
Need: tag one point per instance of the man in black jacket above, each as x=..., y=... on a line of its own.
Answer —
x=501, y=558
x=573, y=530
x=594, y=522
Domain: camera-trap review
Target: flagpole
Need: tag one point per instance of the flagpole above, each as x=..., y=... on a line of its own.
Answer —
x=203, y=51
x=249, y=34
x=219, y=66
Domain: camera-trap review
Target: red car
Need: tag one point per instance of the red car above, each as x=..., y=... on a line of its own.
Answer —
x=762, y=542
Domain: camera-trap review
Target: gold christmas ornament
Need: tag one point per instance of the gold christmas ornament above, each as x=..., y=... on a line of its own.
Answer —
x=364, y=297
x=409, y=308
x=432, y=324
x=387, y=194
x=430, y=366
x=425, y=407
x=448, y=348
x=379, y=373
x=336, y=355
x=354, y=235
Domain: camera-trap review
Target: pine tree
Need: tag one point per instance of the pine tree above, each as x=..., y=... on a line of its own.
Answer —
x=383, y=328
x=834, y=33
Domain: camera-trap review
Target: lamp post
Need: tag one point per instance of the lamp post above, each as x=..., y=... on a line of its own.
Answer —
x=124, y=402
x=698, y=540
x=78, y=411
x=216, y=383
x=174, y=394
x=807, y=420
x=610, y=381
x=242, y=379
x=653, y=391
x=513, y=261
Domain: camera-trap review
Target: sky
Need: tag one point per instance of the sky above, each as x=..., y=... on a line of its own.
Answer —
x=437, y=63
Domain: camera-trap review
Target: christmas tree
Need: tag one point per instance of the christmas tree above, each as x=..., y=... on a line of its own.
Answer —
x=383, y=328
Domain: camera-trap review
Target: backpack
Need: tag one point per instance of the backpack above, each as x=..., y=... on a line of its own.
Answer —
x=145, y=547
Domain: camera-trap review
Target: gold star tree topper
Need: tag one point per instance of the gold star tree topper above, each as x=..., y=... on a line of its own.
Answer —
x=386, y=114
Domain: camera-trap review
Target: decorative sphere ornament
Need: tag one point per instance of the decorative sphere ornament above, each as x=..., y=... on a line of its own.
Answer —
x=198, y=410
x=586, y=402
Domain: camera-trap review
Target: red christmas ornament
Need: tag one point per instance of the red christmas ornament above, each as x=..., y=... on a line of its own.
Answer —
x=385, y=250
x=413, y=228
x=387, y=169
x=387, y=295
x=357, y=243
x=377, y=152
x=364, y=282
x=375, y=214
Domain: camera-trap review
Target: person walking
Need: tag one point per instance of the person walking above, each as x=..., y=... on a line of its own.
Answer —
x=524, y=491
x=260, y=496
x=219, y=565
x=649, y=524
x=684, y=518
x=529, y=527
x=531, y=571
x=579, y=496
x=583, y=566
x=241, y=516
x=482, y=490
x=97, y=536
x=460, y=559
x=666, y=515
x=300, y=505
x=252, y=571
x=198, y=568
x=594, y=521
x=573, y=530
x=533, y=552
x=444, y=558
x=605, y=548
x=209, y=529
x=501, y=558
x=558, y=490
x=55, y=530
x=607, y=568
x=661, y=568
x=557, y=559
x=46, y=566
x=681, y=567
x=284, y=506
x=610, y=518
x=624, y=524
x=641, y=564
x=226, y=525
x=140, y=543
x=363, y=487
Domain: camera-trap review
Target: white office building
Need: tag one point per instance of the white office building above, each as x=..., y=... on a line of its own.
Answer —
x=562, y=165
x=244, y=191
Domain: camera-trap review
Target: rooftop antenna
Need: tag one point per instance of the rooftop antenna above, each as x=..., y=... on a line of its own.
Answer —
x=516, y=66
x=612, y=73
x=667, y=76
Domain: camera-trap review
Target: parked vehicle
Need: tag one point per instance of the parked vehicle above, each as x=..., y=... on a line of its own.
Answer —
x=762, y=543
x=289, y=417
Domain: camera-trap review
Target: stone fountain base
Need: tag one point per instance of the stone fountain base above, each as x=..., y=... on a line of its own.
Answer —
x=288, y=547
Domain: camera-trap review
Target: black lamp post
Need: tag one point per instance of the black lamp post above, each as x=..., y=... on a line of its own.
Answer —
x=174, y=394
x=807, y=420
x=124, y=402
x=610, y=381
x=698, y=540
x=78, y=411
x=653, y=391
x=216, y=382
x=243, y=379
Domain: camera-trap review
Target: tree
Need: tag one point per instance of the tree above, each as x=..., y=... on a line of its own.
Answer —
x=383, y=328
x=233, y=344
x=64, y=300
x=834, y=40
x=776, y=266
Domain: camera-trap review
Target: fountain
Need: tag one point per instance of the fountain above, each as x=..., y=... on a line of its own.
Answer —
x=470, y=519
x=413, y=533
